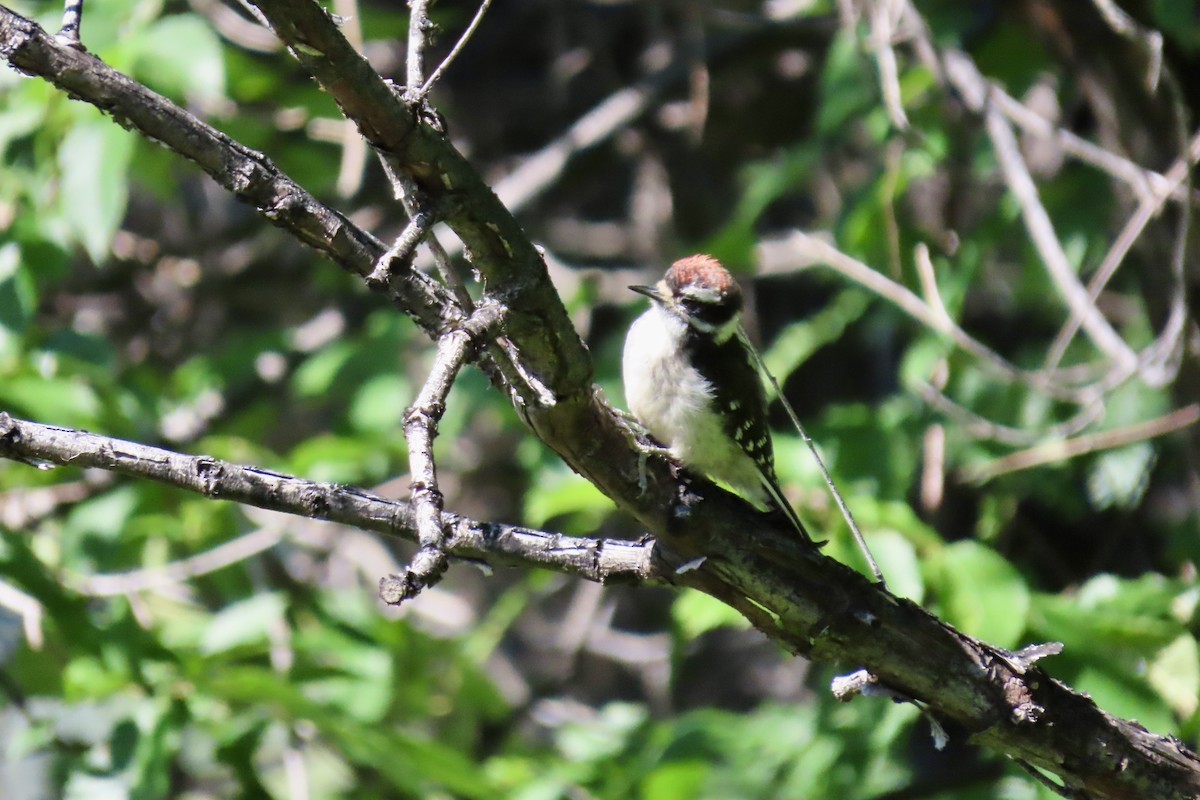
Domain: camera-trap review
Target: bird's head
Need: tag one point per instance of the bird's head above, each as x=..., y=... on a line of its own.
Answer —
x=702, y=293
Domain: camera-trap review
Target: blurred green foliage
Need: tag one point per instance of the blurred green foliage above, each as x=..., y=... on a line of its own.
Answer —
x=138, y=301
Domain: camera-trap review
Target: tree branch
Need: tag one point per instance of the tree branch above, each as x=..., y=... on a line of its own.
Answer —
x=247, y=174
x=420, y=427
x=594, y=559
x=704, y=538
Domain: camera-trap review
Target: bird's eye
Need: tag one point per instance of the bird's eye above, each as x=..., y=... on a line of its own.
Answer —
x=708, y=311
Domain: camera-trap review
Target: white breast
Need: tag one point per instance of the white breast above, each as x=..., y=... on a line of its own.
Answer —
x=674, y=402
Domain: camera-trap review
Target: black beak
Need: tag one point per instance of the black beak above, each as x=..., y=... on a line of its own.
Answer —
x=649, y=291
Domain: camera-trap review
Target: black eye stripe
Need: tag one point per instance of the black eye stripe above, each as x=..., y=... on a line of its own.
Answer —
x=711, y=313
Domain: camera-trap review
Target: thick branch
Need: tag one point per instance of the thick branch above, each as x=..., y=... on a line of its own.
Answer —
x=594, y=559
x=567, y=416
x=807, y=602
x=510, y=265
x=247, y=174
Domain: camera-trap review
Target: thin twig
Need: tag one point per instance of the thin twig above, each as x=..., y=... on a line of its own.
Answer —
x=1149, y=205
x=1045, y=240
x=970, y=83
x=1138, y=178
x=541, y=169
x=507, y=360
x=933, y=467
x=245, y=173
x=859, y=539
x=28, y=608
x=979, y=427
x=694, y=48
x=398, y=258
x=502, y=354
x=1128, y=27
x=245, y=33
x=883, y=16
x=254, y=11
x=1105, y=440
x=453, y=54
x=223, y=555
x=419, y=28
x=450, y=276
x=929, y=287
x=819, y=251
x=454, y=348
x=22, y=508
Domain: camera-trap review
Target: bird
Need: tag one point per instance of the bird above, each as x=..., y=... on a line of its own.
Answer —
x=692, y=381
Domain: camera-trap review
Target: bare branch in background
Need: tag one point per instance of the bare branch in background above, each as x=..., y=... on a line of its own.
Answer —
x=1148, y=206
x=398, y=258
x=974, y=87
x=247, y=34
x=25, y=507
x=217, y=558
x=979, y=427
x=1157, y=364
x=813, y=249
x=884, y=16
x=1050, y=452
x=28, y=608
x=1127, y=26
x=1041, y=232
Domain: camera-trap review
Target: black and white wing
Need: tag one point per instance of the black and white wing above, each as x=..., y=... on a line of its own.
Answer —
x=739, y=398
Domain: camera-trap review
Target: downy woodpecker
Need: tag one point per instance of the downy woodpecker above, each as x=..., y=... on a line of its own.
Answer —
x=692, y=380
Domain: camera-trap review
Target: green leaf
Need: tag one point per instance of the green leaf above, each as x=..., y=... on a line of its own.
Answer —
x=317, y=374
x=845, y=95
x=763, y=183
x=61, y=401
x=799, y=340
x=695, y=613
x=379, y=404
x=19, y=118
x=1110, y=617
x=981, y=593
x=1119, y=691
x=409, y=763
x=18, y=298
x=1177, y=19
x=106, y=516
x=675, y=780
x=897, y=559
x=558, y=492
x=360, y=675
x=245, y=622
x=1120, y=477
x=1175, y=674
x=338, y=459
x=181, y=57
x=604, y=736
x=94, y=158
